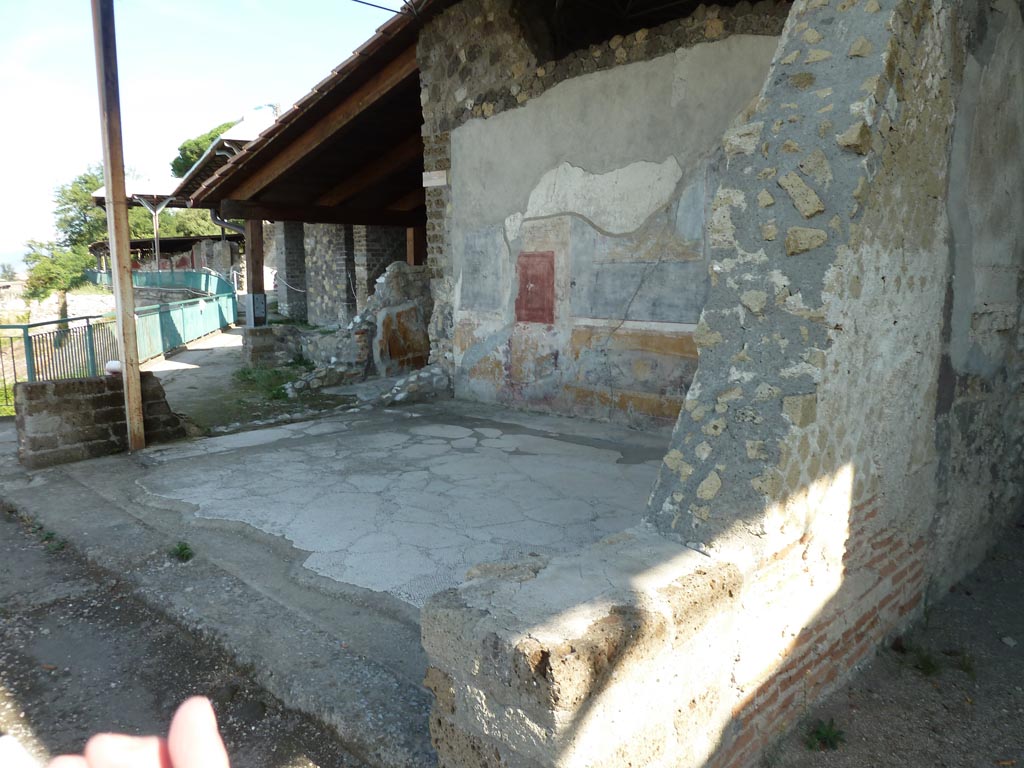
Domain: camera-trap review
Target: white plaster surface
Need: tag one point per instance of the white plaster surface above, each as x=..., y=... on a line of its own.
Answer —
x=675, y=105
x=406, y=502
x=617, y=202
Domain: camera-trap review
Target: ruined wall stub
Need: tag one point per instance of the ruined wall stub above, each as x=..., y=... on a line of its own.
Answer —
x=853, y=437
x=375, y=247
x=594, y=168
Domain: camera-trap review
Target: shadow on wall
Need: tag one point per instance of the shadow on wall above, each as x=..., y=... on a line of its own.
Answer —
x=784, y=635
x=663, y=628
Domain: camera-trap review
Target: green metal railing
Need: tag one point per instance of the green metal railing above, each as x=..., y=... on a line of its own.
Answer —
x=200, y=282
x=73, y=347
x=163, y=327
x=57, y=349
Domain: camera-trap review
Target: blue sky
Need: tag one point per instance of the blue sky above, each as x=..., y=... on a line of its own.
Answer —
x=185, y=67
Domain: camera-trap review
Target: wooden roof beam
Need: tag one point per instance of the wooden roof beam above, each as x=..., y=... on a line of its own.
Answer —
x=395, y=159
x=316, y=214
x=409, y=201
x=394, y=73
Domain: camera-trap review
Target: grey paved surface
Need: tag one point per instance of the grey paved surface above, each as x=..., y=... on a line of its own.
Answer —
x=406, y=501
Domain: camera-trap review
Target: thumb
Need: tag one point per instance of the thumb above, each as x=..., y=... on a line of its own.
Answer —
x=193, y=740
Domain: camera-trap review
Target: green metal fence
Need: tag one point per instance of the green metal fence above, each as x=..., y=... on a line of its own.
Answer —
x=200, y=282
x=163, y=327
x=81, y=346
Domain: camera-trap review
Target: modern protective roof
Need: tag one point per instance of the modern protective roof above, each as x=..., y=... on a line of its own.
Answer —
x=153, y=190
x=349, y=151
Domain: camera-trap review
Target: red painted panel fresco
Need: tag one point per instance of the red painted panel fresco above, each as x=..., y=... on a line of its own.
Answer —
x=535, y=302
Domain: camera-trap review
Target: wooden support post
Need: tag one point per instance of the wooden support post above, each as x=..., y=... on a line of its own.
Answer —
x=254, y=270
x=415, y=246
x=117, y=217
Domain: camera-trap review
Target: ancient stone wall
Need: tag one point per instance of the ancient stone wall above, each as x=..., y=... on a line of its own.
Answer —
x=437, y=158
x=290, y=281
x=594, y=206
x=219, y=255
x=981, y=371
x=852, y=438
x=375, y=247
x=475, y=61
x=74, y=419
x=330, y=274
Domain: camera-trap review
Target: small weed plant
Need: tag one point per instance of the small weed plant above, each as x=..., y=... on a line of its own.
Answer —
x=966, y=664
x=964, y=661
x=824, y=736
x=926, y=663
x=182, y=552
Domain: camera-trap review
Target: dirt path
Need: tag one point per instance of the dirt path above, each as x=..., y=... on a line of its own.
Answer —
x=208, y=383
x=950, y=692
x=79, y=655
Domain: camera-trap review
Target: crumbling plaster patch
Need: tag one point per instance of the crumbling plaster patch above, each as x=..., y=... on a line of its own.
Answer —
x=617, y=202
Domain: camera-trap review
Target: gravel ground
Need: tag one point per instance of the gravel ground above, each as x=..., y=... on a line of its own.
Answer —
x=948, y=693
x=79, y=655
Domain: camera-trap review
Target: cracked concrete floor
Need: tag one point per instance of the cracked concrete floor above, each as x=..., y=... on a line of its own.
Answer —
x=406, y=501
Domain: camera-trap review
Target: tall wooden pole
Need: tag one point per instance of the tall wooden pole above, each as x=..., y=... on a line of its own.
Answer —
x=256, y=311
x=117, y=216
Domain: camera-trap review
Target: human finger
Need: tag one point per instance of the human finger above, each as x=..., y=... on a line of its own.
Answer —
x=68, y=761
x=114, y=750
x=194, y=741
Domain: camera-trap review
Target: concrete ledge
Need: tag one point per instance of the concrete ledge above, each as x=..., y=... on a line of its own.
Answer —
x=592, y=660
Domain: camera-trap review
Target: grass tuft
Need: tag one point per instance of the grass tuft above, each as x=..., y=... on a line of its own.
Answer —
x=822, y=736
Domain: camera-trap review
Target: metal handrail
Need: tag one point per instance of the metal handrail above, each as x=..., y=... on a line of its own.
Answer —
x=38, y=323
x=76, y=345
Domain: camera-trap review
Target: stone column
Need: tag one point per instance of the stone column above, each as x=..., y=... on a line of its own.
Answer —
x=291, y=276
x=330, y=274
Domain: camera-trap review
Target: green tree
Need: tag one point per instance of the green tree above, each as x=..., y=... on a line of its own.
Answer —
x=78, y=221
x=187, y=222
x=192, y=149
x=54, y=269
x=7, y=272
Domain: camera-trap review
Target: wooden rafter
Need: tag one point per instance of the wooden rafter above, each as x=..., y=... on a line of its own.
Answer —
x=317, y=214
x=377, y=87
x=409, y=201
x=403, y=154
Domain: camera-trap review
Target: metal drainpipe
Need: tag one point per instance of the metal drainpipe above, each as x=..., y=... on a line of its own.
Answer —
x=227, y=224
